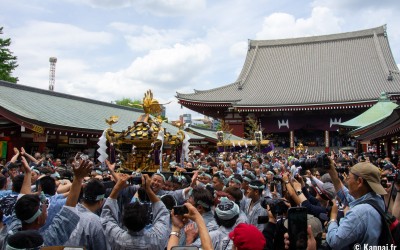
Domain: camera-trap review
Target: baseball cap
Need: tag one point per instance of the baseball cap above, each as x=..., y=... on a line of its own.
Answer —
x=247, y=237
x=329, y=190
x=326, y=178
x=371, y=174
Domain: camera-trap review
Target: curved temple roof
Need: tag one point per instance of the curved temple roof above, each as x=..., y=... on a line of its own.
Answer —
x=339, y=69
x=61, y=111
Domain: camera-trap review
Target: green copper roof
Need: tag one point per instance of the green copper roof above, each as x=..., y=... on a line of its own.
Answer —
x=52, y=109
x=382, y=109
x=211, y=134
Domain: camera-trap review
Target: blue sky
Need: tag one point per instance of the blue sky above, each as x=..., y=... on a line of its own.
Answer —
x=110, y=49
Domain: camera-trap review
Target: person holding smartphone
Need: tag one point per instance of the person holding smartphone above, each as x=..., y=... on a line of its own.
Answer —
x=178, y=224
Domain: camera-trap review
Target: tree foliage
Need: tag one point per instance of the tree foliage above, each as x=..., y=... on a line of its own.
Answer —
x=8, y=62
x=252, y=125
x=127, y=101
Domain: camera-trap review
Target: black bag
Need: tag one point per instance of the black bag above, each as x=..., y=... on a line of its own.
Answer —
x=390, y=233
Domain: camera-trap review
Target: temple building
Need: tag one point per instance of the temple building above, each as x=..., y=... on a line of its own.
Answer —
x=60, y=124
x=301, y=89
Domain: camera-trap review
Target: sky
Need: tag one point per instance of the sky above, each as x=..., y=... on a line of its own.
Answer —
x=113, y=49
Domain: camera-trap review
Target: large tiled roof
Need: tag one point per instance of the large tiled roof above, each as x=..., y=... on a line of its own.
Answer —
x=321, y=70
x=50, y=108
x=56, y=110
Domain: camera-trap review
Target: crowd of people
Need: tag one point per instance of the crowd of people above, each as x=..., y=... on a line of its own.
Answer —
x=221, y=201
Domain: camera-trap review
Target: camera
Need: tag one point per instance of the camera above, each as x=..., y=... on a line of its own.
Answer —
x=277, y=178
x=342, y=170
x=394, y=177
x=277, y=206
x=321, y=161
x=343, y=162
x=135, y=180
x=180, y=210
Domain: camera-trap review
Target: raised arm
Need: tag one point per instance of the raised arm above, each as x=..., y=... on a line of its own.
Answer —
x=15, y=156
x=146, y=182
x=396, y=204
x=289, y=188
x=81, y=169
x=121, y=184
x=111, y=168
x=177, y=225
x=334, y=176
x=26, y=185
x=205, y=238
x=30, y=157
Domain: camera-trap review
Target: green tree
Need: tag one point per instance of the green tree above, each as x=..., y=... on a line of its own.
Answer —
x=127, y=101
x=8, y=62
x=202, y=125
x=251, y=126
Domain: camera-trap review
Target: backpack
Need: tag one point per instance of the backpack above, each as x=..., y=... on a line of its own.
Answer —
x=390, y=233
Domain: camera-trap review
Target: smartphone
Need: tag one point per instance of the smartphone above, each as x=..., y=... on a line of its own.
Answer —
x=180, y=210
x=272, y=187
x=297, y=226
x=262, y=219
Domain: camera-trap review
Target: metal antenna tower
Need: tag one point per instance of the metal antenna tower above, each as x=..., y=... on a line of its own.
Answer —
x=52, y=75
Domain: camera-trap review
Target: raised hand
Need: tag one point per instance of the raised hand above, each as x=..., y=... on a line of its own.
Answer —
x=191, y=233
x=110, y=166
x=16, y=151
x=27, y=169
x=82, y=169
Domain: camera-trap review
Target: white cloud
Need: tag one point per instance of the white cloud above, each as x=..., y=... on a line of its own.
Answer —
x=155, y=7
x=172, y=7
x=283, y=25
x=146, y=38
x=34, y=43
x=174, y=66
x=43, y=35
x=239, y=50
x=163, y=71
x=105, y=3
x=125, y=28
x=357, y=5
x=151, y=38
